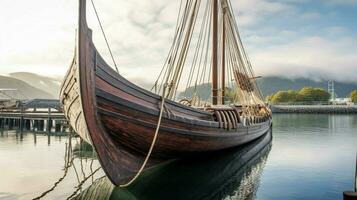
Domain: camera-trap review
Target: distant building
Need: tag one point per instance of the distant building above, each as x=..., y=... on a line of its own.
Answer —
x=341, y=101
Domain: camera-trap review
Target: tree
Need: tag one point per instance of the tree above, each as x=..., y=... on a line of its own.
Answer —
x=269, y=98
x=230, y=95
x=321, y=95
x=309, y=94
x=280, y=97
x=306, y=94
x=354, y=96
x=293, y=96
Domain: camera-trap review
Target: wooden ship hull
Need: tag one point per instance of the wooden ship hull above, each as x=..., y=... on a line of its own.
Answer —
x=233, y=171
x=119, y=118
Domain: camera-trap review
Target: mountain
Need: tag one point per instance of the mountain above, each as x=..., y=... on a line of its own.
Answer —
x=50, y=85
x=270, y=85
x=203, y=90
x=37, y=86
x=25, y=90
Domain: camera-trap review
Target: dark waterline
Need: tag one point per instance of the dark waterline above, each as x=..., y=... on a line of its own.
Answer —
x=310, y=157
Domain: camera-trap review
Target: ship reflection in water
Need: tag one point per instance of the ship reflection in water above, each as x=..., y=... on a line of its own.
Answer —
x=224, y=175
x=67, y=168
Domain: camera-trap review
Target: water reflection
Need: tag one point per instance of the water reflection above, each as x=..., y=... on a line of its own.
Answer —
x=19, y=135
x=312, y=157
x=224, y=175
x=80, y=153
x=314, y=122
x=31, y=163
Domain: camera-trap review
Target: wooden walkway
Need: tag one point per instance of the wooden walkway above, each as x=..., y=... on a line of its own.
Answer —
x=35, y=115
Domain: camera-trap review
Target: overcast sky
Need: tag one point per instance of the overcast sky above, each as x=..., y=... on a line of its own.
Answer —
x=294, y=38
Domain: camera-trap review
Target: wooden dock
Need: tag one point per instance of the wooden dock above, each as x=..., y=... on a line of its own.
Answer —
x=43, y=115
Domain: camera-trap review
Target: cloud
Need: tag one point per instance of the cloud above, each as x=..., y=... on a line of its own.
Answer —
x=310, y=16
x=341, y=3
x=253, y=12
x=336, y=31
x=280, y=36
x=36, y=36
x=313, y=57
x=143, y=34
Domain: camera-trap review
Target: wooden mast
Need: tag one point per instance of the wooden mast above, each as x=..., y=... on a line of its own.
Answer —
x=223, y=55
x=215, y=53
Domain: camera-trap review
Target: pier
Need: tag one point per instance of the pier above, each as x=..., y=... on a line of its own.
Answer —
x=43, y=115
x=315, y=109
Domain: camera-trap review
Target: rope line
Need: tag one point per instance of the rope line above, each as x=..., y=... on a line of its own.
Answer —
x=152, y=143
x=105, y=37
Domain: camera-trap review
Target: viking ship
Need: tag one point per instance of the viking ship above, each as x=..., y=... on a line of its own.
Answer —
x=133, y=129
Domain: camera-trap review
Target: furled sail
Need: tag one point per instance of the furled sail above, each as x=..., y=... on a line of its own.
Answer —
x=206, y=37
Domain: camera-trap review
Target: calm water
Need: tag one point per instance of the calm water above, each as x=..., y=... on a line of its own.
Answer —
x=310, y=157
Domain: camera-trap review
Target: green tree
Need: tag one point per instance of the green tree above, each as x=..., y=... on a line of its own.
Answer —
x=321, y=95
x=293, y=96
x=354, y=96
x=280, y=97
x=230, y=95
x=306, y=94
x=309, y=94
x=269, y=98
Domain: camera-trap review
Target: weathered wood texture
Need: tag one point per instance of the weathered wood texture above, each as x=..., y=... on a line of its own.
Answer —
x=71, y=102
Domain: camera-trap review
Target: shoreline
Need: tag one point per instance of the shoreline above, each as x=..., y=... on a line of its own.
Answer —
x=314, y=109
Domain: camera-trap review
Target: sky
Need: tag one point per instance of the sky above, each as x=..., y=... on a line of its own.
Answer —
x=291, y=38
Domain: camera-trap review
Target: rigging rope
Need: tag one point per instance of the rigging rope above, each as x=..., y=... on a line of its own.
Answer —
x=105, y=37
x=184, y=50
x=190, y=57
x=171, y=49
x=153, y=141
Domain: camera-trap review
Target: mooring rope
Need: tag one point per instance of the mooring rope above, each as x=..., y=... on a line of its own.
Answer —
x=79, y=187
x=153, y=141
x=105, y=37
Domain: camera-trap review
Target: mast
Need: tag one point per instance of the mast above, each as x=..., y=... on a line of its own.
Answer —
x=215, y=53
x=223, y=54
